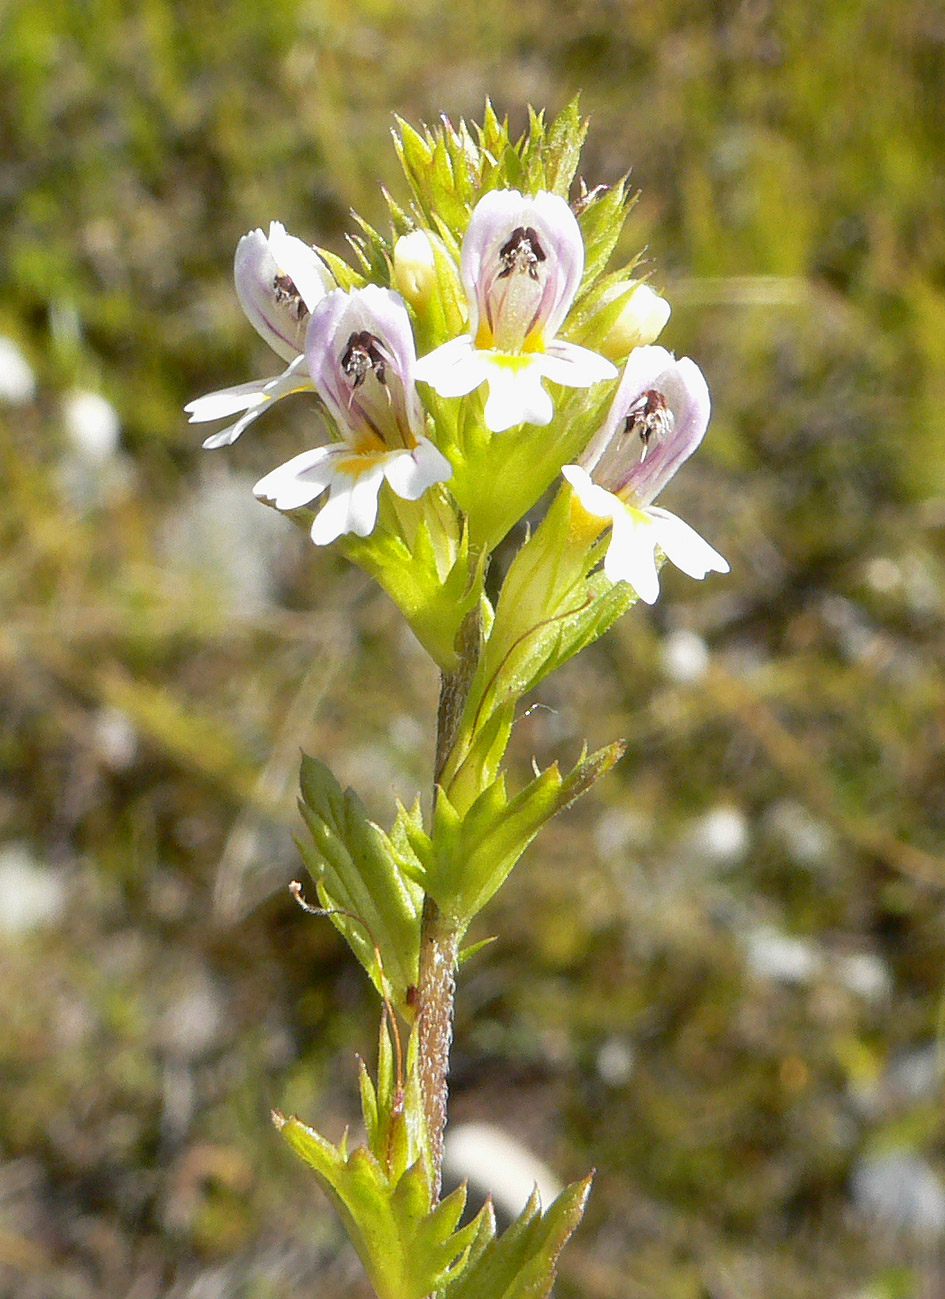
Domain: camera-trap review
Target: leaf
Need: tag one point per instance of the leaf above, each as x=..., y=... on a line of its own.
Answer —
x=474, y=854
x=406, y=832
x=357, y=870
x=346, y=276
x=601, y=222
x=473, y=949
x=562, y=151
x=522, y=1262
x=598, y=311
x=427, y=575
x=551, y=606
x=409, y=1248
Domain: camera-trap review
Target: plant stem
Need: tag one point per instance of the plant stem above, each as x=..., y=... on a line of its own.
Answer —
x=438, y=949
x=439, y=940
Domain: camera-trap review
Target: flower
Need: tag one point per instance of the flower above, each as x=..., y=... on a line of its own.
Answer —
x=279, y=280
x=361, y=359
x=414, y=268
x=641, y=320
x=521, y=264
x=657, y=419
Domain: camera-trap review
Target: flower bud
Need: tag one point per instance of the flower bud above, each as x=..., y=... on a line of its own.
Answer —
x=641, y=321
x=414, y=268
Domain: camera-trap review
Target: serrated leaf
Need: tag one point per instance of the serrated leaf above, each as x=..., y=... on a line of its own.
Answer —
x=368, y=1104
x=522, y=1262
x=376, y=251
x=600, y=308
x=345, y=274
x=409, y=1247
x=474, y=768
x=428, y=579
x=601, y=223
x=408, y=824
x=474, y=854
x=562, y=151
x=356, y=871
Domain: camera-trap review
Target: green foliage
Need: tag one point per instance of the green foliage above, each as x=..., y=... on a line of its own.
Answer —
x=449, y=168
x=468, y=857
x=521, y=1263
x=412, y=1247
x=551, y=606
x=358, y=873
x=601, y=216
x=796, y=221
x=428, y=575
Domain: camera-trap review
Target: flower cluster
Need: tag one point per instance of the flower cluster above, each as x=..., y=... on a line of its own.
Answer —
x=521, y=263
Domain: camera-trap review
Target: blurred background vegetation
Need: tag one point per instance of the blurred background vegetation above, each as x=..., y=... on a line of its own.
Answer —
x=719, y=980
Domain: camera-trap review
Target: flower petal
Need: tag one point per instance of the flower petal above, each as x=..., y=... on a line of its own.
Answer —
x=454, y=369
x=631, y=555
x=253, y=397
x=595, y=499
x=382, y=402
x=227, y=401
x=615, y=460
x=254, y=273
x=575, y=367
x=227, y=436
x=515, y=392
x=351, y=505
x=301, y=263
x=300, y=479
x=495, y=219
x=683, y=545
x=410, y=473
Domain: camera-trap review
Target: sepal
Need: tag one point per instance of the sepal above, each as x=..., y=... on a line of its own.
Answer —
x=428, y=575
x=448, y=168
x=345, y=274
x=551, y=606
x=417, y=554
x=554, y=152
x=360, y=878
x=524, y=464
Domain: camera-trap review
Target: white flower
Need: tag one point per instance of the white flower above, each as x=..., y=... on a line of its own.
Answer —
x=657, y=419
x=521, y=264
x=642, y=319
x=279, y=280
x=361, y=359
x=414, y=268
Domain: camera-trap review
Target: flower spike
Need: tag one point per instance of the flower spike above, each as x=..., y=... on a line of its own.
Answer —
x=360, y=355
x=279, y=280
x=521, y=265
x=658, y=417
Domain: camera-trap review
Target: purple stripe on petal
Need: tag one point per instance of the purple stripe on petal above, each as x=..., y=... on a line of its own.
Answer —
x=254, y=274
x=521, y=264
x=361, y=356
x=623, y=457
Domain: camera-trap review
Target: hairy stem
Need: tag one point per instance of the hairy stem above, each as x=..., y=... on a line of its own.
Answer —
x=438, y=950
x=439, y=942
